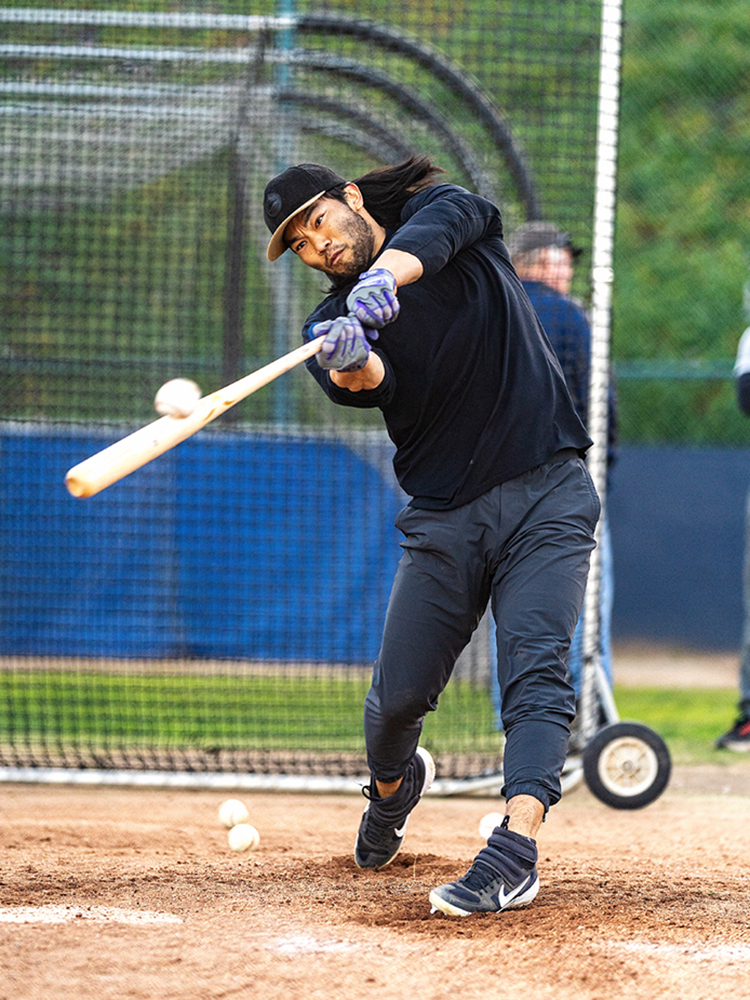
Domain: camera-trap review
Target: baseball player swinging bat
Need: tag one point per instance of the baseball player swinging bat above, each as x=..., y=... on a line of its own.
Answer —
x=137, y=449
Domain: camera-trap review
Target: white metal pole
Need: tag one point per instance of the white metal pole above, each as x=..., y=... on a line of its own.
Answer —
x=602, y=277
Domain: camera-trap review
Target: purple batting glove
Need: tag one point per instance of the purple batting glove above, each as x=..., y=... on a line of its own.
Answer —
x=373, y=299
x=346, y=348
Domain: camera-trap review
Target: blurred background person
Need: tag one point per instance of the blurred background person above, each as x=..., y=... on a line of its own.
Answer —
x=544, y=258
x=738, y=737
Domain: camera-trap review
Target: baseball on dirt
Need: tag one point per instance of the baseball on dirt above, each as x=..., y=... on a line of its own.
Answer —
x=243, y=837
x=488, y=823
x=233, y=812
x=177, y=398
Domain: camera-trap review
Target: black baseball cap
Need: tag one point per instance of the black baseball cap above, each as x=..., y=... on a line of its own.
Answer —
x=291, y=191
x=536, y=235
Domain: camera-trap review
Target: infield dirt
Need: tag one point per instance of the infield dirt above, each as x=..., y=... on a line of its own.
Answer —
x=646, y=904
x=115, y=893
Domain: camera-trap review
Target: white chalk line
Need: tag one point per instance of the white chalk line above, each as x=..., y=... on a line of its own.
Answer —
x=59, y=914
x=690, y=950
x=301, y=944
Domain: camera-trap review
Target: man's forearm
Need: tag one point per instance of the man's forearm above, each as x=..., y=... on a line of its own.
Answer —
x=368, y=377
x=405, y=267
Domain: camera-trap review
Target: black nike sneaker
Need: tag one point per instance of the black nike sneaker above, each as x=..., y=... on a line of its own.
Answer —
x=502, y=876
x=381, y=832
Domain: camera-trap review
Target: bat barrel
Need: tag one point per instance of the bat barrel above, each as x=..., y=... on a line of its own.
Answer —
x=78, y=484
x=130, y=453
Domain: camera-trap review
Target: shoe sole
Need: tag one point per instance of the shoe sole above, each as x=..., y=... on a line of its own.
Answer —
x=451, y=910
x=429, y=770
x=429, y=777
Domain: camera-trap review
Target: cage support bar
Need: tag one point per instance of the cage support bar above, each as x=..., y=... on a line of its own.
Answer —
x=599, y=375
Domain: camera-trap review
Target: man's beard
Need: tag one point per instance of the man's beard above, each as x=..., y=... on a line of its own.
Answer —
x=358, y=235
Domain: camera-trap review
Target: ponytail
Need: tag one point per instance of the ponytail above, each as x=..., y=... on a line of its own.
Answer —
x=385, y=191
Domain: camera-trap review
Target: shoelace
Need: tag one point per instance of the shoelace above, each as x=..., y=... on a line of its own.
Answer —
x=383, y=824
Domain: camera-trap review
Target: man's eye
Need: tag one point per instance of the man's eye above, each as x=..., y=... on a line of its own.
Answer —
x=319, y=220
x=299, y=246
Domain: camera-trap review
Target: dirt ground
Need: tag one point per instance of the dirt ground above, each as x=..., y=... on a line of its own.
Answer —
x=637, y=665
x=118, y=893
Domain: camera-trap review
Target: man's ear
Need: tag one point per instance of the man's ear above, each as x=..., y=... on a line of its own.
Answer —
x=353, y=196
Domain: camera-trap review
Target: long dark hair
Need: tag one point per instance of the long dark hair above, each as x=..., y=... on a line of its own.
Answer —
x=385, y=191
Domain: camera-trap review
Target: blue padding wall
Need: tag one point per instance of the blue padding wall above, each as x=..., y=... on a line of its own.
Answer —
x=677, y=525
x=236, y=545
x=281, y=547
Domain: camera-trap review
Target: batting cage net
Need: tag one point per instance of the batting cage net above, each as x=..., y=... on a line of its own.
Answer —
x=219, y=609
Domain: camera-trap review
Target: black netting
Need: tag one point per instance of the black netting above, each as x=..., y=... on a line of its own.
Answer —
x=175, y=619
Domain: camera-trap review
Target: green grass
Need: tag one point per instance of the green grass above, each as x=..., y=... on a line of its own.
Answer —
x=219, y=711
x=299, y=712
x=689, y=720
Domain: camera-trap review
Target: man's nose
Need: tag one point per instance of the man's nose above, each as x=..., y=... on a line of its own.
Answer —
x=321, y=242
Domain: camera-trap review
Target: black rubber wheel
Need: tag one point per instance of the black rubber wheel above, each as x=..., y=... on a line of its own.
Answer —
x=626, y=765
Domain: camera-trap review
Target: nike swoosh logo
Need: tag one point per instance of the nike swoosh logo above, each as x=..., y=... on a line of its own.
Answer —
x=506, y=897
x=401, y=832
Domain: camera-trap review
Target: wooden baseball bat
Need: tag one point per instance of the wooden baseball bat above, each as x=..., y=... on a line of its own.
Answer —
x=137, y=449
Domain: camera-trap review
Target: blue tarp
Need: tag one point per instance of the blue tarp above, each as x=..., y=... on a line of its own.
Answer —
x=677, y=521
x=238, y=545
x=275, y=546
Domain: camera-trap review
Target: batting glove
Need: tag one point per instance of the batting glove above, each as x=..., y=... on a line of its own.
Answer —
x=373, y=299
x=345, y=348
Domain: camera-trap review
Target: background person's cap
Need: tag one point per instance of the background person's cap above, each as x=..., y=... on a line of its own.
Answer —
x=289, y=193
x=536, y=235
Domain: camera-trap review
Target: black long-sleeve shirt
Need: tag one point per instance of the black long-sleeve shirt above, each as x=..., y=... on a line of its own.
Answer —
x=473, y=394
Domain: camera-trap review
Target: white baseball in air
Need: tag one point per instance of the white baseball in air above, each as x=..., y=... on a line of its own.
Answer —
x=177, y=398
x=233, y=812
x=243, y=837
x=488, y=823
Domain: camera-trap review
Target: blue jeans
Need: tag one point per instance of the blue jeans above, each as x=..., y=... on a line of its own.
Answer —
x=575, y=654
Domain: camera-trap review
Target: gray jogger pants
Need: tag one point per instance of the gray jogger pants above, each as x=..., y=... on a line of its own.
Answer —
x=525, y=545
